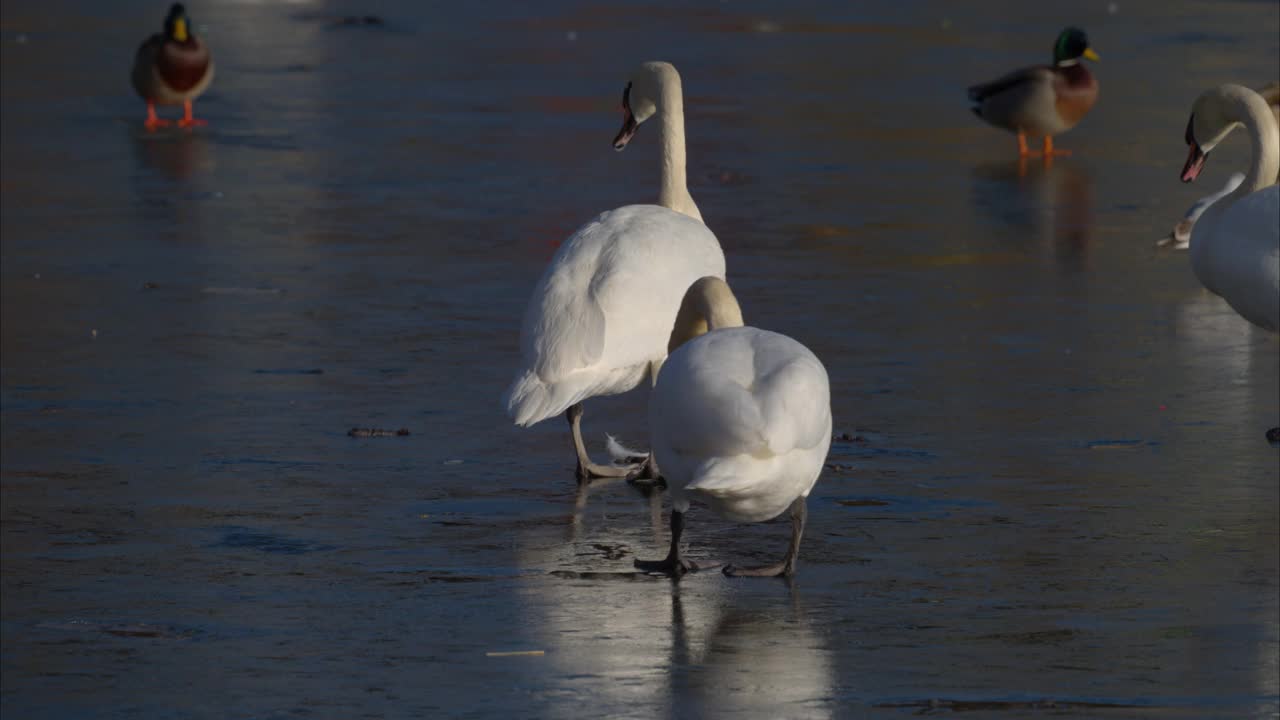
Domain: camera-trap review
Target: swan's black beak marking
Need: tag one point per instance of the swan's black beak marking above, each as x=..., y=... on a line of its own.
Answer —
x=629, y=124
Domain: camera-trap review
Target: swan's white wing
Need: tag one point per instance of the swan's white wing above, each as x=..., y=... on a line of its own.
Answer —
x=742, y=416
x=793, y=393
x=605, y=305
x=742, y=391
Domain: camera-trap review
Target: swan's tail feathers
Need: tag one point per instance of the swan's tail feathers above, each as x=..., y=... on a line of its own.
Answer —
x=623, y=454
x=529, y=400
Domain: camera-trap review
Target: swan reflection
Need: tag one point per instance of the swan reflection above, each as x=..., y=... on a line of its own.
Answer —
x=705, y=645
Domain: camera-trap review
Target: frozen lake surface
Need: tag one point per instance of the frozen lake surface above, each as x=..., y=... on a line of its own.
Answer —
x=1054, y=496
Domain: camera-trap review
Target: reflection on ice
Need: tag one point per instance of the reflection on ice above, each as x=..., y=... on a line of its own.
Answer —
x=705, y=645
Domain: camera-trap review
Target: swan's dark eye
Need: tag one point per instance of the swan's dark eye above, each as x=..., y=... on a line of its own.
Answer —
x=1191, y=135
x=626, y=97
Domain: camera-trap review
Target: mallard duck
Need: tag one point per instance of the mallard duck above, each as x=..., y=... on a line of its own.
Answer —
x=741, y=419
x=1045, y=100
x=599, y=319
x=172, y=68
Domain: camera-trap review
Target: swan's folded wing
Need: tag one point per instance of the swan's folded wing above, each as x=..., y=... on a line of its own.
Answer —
x=563, y=325
x=564, y=331
x=795, y=403
x=640, y=282
x=743, y=391
x=702, y=411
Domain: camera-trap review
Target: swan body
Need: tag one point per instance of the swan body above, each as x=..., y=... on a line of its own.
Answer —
x=602, y=313
x=1235, y=253
x=739, y=418
x=599, y=319
x=1235, y=245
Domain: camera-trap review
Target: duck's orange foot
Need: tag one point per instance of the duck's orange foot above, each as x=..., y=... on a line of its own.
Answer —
x=153, y=121
x=1023, y=150
x=188, y=119
x=1051, y=151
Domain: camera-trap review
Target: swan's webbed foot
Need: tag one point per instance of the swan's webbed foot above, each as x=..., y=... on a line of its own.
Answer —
x=592, y=471
x=1273, y=435
x=673, y=567
x=781, y=569
x=787, y=567
x=646, y=475
x=588, y=470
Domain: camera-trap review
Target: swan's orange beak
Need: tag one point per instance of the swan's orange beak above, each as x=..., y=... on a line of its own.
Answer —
x=629, y=123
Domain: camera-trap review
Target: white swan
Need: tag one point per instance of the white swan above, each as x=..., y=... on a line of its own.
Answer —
x=1235, y=246
x=600, y=317
x=1180, y=236
x=740, y=418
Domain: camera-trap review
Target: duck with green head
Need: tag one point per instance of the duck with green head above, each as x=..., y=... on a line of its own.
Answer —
x=172, y=68
x=1044, y=100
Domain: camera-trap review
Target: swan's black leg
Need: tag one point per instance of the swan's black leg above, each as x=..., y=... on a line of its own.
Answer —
x=673, y=564
x=787, y=567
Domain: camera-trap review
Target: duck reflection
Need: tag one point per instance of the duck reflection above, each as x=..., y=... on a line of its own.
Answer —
x=1051, y=201
x=176, y=156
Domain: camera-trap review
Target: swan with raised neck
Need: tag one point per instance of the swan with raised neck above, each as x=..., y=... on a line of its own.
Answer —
x=655, y=90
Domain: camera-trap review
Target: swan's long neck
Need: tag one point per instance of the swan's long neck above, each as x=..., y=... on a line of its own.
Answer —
x=708, y=305
x=674, y=193
x=1247, y=107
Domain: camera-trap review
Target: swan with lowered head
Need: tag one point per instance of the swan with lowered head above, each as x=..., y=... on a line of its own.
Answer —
x=600, y=317
x=1235, y=245
x=1180, y=237
x=740, y=418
